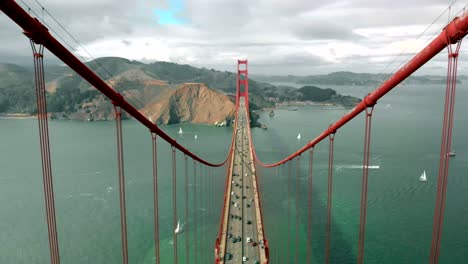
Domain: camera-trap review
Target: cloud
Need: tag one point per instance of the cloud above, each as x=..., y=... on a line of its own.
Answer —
x=277, y=36
x=126, y=42
x=319, y=29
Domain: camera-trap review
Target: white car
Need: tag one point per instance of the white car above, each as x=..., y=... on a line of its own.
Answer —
x=244, y=258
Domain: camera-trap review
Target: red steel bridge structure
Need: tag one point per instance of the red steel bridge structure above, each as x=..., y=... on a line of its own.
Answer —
x=247, y=160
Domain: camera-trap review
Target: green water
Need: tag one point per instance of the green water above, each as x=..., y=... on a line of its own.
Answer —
x=405, y=141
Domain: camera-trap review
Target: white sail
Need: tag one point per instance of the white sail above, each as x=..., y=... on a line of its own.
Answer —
x=178, y=228
x=180, y=130
x=299, y=136
x=195, y=136
x=423, y=176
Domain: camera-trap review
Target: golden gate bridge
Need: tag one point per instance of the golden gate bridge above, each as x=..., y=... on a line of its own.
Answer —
x=241, y=236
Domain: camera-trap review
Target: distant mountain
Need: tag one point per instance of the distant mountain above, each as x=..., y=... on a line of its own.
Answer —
x=166, y=92
x=16, y=93
x=316, y=94
x=351, y=79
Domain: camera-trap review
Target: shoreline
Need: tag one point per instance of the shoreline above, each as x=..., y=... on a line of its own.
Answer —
x=284, y=105
x=17, y=116
x=21, y=116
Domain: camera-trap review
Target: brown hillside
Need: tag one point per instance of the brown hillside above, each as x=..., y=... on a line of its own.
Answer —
x=190, y=103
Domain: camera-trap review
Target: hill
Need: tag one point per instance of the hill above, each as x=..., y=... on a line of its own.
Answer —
x=167, y=92
x=351, y=79
x=316, y=94
x=191, y=102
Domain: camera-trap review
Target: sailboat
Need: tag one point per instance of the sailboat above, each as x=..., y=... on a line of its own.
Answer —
x=180, y=130
x=179, y=228
x=299, y=136
x=195, y=137
x=423, y=177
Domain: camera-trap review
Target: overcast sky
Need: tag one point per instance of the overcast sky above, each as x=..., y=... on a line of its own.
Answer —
x=280, y=37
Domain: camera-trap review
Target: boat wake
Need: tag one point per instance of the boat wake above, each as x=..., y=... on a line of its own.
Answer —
x=358, y=167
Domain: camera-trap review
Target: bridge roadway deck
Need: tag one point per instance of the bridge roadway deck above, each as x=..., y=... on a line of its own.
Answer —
x=242, y=218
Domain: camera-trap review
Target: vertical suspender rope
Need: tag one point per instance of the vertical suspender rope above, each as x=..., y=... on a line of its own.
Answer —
x=278, y=227
x=289, y=209
x=209, y=205
x=186, y=210
x=329, y=200
x=202, y=211
x=174, y=203
x=45, y=152
x=365, y=174
x=206, y=211
x=309, y=207
x=120, y=159
x=194, y=212
x=297, y=207
x=285, y=172
x=199, y=216
x=213, y=197
x=446, y=143
x=156, y=199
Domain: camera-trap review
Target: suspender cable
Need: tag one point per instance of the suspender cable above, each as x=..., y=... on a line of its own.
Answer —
x=156, y=199
x=309, y=208
x=285, y=168
x=279, y=225
x=208, y=211
x=289, y=209
x=120, y=159
x=174, y=204
x=446, y=144
x=213, y=196
x=202, y=212
x=209, y=204
x=365, y=174
x=186, y=210
x=43, y=129
x=194, y=212
x=200, y=201
x=45, y=152
x=329, y=201
x=298, y=173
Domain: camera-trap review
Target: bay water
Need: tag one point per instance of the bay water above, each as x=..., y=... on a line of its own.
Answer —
x=405, y=140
